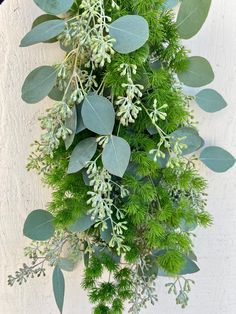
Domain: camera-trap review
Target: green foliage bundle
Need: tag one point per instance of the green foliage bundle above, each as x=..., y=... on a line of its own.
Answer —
x=119, y=149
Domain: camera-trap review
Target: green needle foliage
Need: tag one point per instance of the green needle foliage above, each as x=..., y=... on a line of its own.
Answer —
x=118, y=150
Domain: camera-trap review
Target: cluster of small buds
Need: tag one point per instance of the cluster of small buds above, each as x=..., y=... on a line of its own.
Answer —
x=102, y=140
x=180, y=288
x=157, y=113
x=127, y=69
x=129, y=104
x=88, y=80
x=99, y=199
x=103, y=205
x=89, y=34
x=63, y=76
x=55, y=128
x=77, y=96
x=101, y=50
x=114, y=5
x=144, y=287
x=178, y=145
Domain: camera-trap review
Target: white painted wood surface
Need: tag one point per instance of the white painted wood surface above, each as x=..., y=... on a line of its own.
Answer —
x=22, y=192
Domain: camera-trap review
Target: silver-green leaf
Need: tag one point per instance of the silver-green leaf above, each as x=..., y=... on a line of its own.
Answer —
x=98, y=114
x=39, y=225
x=210, y=100
x=44, y=18
x=71, y=124
x=80, y=123
x=189, y=267
x=82, y=224
x=170, y=4
x=192, y=15
x=130, y=32
x=217, y=159
x=82, y=153
x=116, y=156
x=54, y=6
x=190, y=137
x=198, y=73
x=58, y=282
x=56, y=94
x=43, y=32
x=66, y=264
x=38, y=84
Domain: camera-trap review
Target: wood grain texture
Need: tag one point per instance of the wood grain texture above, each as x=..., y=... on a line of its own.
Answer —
x=22, y=192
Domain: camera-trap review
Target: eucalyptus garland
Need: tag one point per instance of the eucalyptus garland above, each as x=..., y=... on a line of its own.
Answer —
x=119, y=149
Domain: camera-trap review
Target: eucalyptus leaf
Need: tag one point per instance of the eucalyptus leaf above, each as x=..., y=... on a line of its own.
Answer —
x=39, y=225
x=82, y=153
x=130, y=32
x=71, y=124
x=54, y=6
x=66, y=264
x=187, y=227
x=116, y=156
x=44, y=18
x=189, y=267
x=217, y=159
x=80, y=123
x=190, y=137
x=210, y=100
x=82, y=224
x=58, y=282
x=192, y=15
x=106, y=234
x=56, y=94
x=43, y=32
x=101, y=251
x=199, y=73
x=170, y=4
x=86, y=178
x=38, y=84
x=98, y=114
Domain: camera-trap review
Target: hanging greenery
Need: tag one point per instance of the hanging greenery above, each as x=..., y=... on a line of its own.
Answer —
x=118, y=149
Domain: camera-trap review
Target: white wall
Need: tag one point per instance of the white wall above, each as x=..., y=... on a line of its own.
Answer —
x=22, y=192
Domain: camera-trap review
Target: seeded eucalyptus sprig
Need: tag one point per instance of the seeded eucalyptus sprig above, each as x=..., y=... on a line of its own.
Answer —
x=118, y=149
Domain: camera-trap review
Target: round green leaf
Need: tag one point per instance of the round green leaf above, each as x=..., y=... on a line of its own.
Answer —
x=38, y=84
x=130, y=32
x=56, y=94
x=43, y=32
x=190, y=267
x=39, y=225
x=192, y=15
x=199, y=73
x=71, y=124
x=54, y=6
x=116, y=156
x=187, y=227
x=58, y=282
x=98, y=114
x=44, y=18
x=80, y=123
x=190, y=137
x=210, y=100
x=170, y=4
x=82, y=224
x=217, y=159
x=66, y=264
x=106, y=234
x=82, y=153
